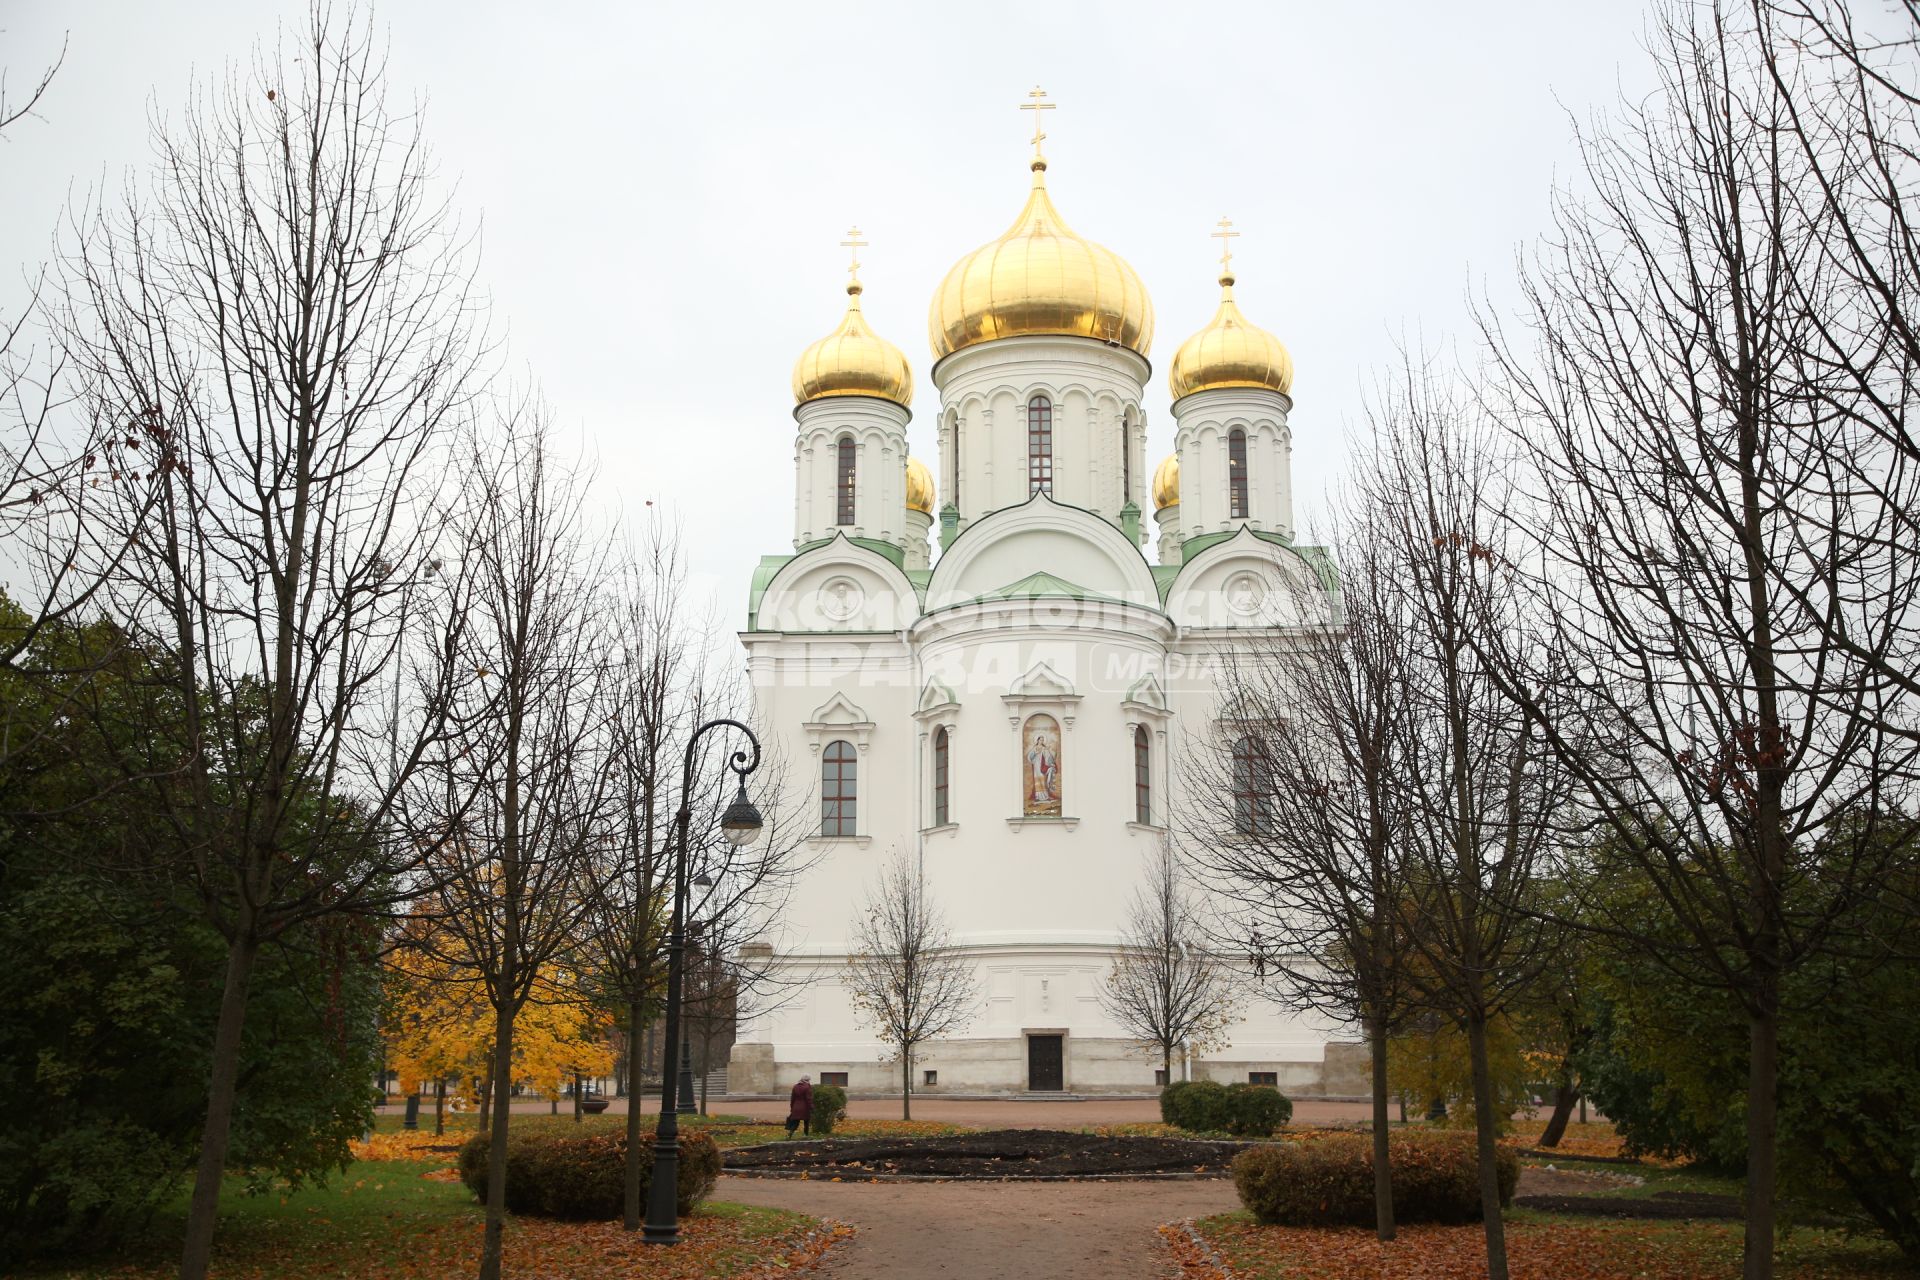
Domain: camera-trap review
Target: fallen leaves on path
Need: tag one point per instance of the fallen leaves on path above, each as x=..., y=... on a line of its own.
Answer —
x=1542, y=1251
x=1234, y=1247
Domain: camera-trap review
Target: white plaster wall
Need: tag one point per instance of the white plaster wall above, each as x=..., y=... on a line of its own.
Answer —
x=1203, y=421
x=1096, y=391
x=879, y=428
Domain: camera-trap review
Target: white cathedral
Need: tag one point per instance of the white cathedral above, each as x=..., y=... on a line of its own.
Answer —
x=1009, y=711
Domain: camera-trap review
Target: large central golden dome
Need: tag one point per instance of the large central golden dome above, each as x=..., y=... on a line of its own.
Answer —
x=1040, y=278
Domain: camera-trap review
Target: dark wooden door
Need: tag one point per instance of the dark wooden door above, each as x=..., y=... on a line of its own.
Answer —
x=1044, y=1073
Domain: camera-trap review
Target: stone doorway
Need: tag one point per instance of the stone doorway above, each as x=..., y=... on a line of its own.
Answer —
x=1045, y=1064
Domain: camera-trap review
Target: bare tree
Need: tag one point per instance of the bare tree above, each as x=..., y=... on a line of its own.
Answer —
x=1167, y=988
x=517, y=880
x=1481, y=794
x=281, y=318
x=670, y=679
x=1728, y=603
x=906, y=979
x=1308, y=850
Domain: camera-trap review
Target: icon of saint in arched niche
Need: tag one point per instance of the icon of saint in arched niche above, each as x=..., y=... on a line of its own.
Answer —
x=1040, y=767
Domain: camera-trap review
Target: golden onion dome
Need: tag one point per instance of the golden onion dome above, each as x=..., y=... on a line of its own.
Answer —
x=1230, y=352
x=853, y=361
x=1166, y=483
x=1040, y=278
x=919, y=486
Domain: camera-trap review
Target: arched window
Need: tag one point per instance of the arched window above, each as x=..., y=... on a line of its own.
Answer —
x=940, y=775
x=1237, y=473
x=1251, y=778
x=1040, y=445
x=839, y=789
x=1142, y=777
x=1126, y=461
x=953, y=459
x=843, y=483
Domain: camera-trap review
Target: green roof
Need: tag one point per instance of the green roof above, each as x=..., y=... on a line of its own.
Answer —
x=1036, y=585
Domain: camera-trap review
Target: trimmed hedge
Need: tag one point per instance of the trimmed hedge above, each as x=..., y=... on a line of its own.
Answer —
x=1256, y=1110
x=585, y=1177
x=1327, y=1180
x=1207, y=1106
x=829, y=1107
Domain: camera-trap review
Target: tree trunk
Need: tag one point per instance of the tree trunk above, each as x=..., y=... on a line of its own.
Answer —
x=439, y=1106
x=1382, y=1168
x=1486, y=1127
x=222, y=1086
x=579, y=1096
x=1762, y=1108
x=630, y=1218
x=1563, y=1099
x=497, y=1147
x=705, y=1076
x=906, y=1086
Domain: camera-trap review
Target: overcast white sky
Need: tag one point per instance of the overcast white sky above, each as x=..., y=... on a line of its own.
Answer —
x=662, y=188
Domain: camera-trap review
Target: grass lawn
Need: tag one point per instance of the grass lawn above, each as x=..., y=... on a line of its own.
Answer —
x=403, y=1215
x=1540, y=1247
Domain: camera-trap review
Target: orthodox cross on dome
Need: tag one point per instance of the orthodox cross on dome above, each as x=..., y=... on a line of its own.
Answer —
x=853, y=244
x=1038, y=105
x=1226, y=235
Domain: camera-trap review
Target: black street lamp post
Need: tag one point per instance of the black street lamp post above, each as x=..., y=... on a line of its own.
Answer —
x=740, y=823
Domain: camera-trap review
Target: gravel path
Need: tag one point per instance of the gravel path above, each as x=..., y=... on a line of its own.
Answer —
x=994, y=1230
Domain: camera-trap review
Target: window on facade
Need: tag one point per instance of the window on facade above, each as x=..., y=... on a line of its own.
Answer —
x=1250, y=776
x=835, y=1078
x=1264, y=1077
x=843, y=483
x=1142, y=777
x=940, y=753
x=1237, y=473
x=1040, y=445
x=1126, y=463
x=839, y=790
x=1160, y=1075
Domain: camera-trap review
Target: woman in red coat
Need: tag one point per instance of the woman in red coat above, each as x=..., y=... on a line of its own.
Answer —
x=800, y=1108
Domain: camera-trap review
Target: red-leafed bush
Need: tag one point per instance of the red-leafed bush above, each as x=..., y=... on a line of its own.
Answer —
x=585, y=1177
x=1328, y=1180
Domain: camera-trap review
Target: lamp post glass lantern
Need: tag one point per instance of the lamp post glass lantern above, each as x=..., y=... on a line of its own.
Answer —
x=740, y=822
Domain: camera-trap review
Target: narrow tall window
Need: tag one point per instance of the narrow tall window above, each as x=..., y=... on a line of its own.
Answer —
x=1237, y=473
x=839, y=790
x=1250, y=778
x=940, y=750
x=843, y=483
x=1142, y=777
x=1040, y=445
x=1126, y=461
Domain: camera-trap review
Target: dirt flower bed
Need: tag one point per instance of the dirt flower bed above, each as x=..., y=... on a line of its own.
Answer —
x=1002, y=1153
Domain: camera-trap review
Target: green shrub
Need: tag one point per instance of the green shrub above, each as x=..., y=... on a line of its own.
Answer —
x=585, y=1177
x=1198, y=1106
x=1171, y=1100
x=1327, y=1180
x=1256, y=1110
x=829, y=1107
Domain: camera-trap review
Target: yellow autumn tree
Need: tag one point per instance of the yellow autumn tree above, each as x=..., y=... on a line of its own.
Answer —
x=439, y=1027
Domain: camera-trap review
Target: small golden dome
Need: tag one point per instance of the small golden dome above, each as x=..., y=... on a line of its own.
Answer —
x=1230, y=352
x=1040, y=278
x=853, y=361
x=919, y=486
x=1166, y=483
